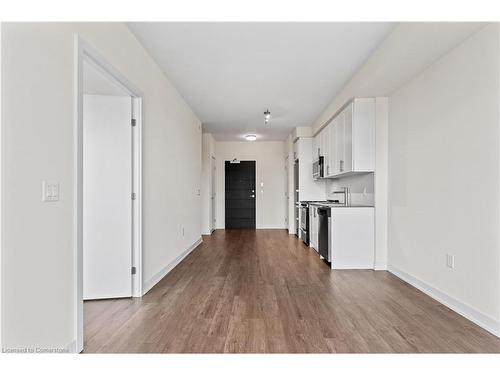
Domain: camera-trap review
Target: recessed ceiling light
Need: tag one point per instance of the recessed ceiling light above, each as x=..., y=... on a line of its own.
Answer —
x=250, y=137
x=267, y=116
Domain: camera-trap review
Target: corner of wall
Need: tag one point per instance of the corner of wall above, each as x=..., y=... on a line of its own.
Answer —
x=381, y=181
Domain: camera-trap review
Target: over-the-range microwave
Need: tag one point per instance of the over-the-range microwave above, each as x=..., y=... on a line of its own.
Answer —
x=317, y=168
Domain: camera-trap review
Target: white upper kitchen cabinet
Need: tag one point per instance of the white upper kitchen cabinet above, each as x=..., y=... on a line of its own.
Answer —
x=347, y=165
x=295, y=151
x=351, y=135
x=309, y=189
x=359, y=153
x=325, y=149
x=316, y=147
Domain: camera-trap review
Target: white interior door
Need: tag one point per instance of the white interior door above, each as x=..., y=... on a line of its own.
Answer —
x=212, y=195
x=107, y=189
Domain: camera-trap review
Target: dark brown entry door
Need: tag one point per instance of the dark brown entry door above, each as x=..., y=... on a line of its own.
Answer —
x=240, y=194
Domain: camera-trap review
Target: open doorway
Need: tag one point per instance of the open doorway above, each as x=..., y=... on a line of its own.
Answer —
x=108, y=185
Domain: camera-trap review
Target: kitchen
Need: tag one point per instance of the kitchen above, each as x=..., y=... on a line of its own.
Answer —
x=334, y=201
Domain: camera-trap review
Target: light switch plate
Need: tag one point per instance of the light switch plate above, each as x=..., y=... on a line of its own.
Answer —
x=450, y=261
x=50, y=191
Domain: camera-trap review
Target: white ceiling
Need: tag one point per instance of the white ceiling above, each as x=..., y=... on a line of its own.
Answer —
x=229, y=73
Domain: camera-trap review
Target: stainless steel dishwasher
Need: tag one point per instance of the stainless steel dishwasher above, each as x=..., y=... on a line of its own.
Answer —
x=324, y=214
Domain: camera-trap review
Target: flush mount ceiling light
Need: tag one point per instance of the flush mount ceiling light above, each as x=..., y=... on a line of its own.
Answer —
x=267, y=116
x=250, y=137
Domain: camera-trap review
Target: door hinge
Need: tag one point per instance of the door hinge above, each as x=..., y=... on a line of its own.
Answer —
x=134, y=196
x=133, y=122
x=134, y=270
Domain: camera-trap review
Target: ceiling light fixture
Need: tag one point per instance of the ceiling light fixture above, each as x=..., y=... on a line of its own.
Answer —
x=267, y=116
x=250, y=137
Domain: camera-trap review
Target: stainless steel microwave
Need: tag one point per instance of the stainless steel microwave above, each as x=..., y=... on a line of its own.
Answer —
x=317, y=169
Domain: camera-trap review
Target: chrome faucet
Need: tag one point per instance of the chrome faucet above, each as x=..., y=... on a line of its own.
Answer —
x=345, y=192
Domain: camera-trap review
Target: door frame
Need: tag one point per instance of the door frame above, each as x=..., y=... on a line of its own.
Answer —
x=83, y=52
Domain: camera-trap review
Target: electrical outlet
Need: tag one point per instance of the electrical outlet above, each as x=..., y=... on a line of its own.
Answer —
x=450, y=261
x=50, y=191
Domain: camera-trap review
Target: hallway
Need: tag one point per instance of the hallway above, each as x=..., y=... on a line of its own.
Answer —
x=247, y=291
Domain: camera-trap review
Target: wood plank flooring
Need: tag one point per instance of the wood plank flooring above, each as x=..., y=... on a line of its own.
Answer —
x=248, y=291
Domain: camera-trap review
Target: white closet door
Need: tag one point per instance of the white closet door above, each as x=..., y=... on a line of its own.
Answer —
x=107, y=204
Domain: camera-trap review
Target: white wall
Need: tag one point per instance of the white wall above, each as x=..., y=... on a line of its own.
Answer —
x=444, y=175
x=270, y=170
x=38, y=144
x=402, y=55
x=361, y=188
x=381, y=181
x=208, y=151
x=288, y=147
x=1, y=194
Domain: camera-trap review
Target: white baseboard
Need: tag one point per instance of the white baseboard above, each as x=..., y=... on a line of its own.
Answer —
x=263, y=227
x=380, y=266
x=146, y=287
x=484, y=321
x=71, y=347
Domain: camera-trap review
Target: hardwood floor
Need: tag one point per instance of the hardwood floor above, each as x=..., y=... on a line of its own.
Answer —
x=247, y=291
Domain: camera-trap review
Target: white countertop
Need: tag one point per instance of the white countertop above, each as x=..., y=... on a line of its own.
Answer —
x=340, y=205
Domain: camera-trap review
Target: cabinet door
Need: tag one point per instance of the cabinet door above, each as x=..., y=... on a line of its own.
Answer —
x=347, y=158
x=319, y=143
x=333, y=146
x=339, y=144
x=315, y=147
x=325, y=149
x=311, y=226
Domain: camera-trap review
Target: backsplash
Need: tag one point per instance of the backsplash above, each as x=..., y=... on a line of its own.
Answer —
x=361, y=188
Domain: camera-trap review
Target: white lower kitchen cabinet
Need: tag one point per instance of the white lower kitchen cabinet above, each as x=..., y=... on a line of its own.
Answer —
x=352, y=237
x=313, y=227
